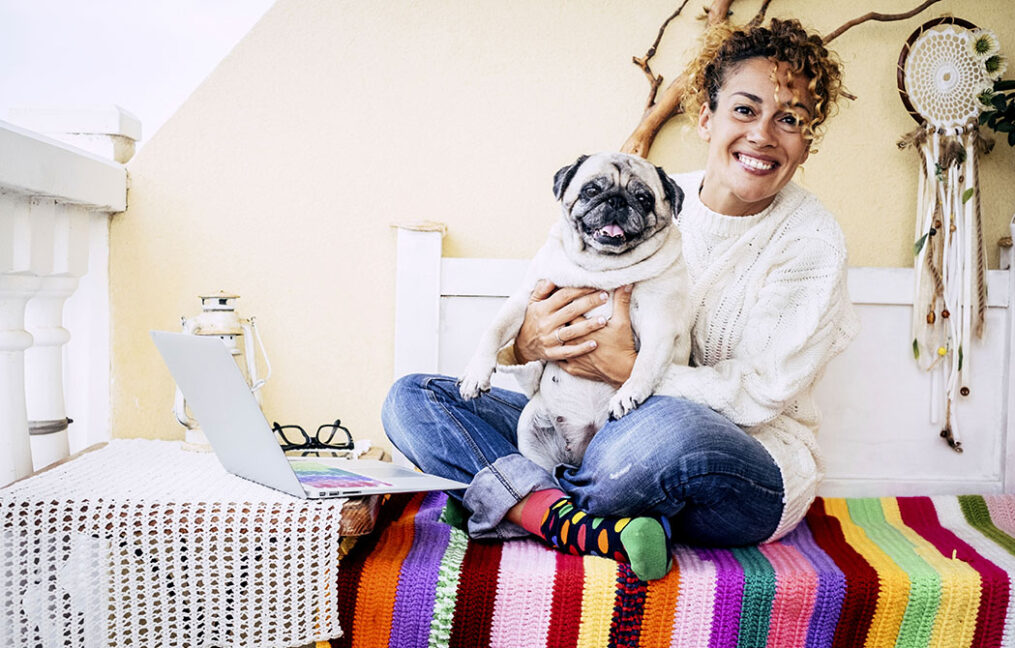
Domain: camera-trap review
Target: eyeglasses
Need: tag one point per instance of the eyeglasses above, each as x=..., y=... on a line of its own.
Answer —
x=330, y=436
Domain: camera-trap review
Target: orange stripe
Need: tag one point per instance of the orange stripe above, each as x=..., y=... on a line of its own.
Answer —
x=660, y=610
x=375, y=605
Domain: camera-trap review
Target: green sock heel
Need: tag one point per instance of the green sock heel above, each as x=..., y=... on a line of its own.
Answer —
x=647, y=545
x=642, y=541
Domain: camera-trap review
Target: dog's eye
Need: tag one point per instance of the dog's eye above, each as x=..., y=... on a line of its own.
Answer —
x=590, y=191
x=647, y=201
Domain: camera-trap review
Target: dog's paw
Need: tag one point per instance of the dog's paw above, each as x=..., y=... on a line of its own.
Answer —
x=471, y=385
x=624, y=402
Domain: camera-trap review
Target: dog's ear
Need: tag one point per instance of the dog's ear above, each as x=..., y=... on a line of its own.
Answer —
x=673, y=193
x=562, y=178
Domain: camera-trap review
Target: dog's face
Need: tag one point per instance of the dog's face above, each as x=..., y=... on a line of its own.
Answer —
x=614, y=201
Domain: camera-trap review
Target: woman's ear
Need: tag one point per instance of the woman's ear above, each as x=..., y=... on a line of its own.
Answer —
x=705, y=123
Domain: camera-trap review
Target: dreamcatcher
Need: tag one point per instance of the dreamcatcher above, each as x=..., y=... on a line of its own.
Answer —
x=943, y=73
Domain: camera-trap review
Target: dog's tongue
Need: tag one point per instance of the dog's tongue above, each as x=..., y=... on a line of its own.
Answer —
x=612, y=230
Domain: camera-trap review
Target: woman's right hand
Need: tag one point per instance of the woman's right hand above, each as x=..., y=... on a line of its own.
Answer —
x=554, y=312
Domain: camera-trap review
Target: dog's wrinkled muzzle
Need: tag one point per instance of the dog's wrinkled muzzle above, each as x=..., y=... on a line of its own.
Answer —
x=613, y=223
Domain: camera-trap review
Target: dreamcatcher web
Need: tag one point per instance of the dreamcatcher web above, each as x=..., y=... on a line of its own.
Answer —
x=942, y=73
x=944, y=77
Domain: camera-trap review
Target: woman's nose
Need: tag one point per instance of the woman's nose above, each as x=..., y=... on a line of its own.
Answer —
x=761, y=133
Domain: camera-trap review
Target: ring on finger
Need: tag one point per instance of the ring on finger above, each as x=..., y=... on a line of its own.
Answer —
x=556, y=334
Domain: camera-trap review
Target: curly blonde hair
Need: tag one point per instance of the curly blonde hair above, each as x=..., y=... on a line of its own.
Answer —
x=783, y=41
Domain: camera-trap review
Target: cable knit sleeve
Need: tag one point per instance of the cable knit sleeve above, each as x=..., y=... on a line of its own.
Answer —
x=796, y=320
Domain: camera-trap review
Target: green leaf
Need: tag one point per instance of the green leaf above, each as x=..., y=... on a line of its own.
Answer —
x=960, y=357
x=919, y=245
x=939, y=172
x=985, y=115
x=1007, y=84
x=998, y=101
x=1011, y=138
x=916, y=349
x=967, y=194
x=1003, y=127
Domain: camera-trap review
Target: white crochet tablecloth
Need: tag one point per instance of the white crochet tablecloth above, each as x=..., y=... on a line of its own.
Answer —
x=141, y=543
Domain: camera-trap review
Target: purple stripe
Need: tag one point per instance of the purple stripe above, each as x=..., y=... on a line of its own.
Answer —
x=729, y=597
x=417, y=581
x=831, y=587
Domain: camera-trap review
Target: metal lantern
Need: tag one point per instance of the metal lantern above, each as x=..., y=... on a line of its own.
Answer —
x=218, y=317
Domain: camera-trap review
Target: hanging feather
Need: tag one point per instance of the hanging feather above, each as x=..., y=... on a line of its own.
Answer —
x=913, y=138
x=953, y=153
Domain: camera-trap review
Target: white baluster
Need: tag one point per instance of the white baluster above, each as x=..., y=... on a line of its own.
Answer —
x=47, y=418
x=44, y=366
x=16, y=460
x=21, y=251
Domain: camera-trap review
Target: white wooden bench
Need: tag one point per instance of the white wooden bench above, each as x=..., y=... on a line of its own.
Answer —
x=877, y=434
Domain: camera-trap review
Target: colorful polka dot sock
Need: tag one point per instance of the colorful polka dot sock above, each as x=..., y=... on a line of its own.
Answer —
x=641, y=541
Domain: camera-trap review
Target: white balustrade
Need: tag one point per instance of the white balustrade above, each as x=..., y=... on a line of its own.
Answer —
x=55, y=200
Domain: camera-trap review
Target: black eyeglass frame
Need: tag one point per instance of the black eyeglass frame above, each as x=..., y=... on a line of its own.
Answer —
x=315, y=442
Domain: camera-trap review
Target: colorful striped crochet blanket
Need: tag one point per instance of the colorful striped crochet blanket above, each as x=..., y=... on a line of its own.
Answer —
x=906, y=571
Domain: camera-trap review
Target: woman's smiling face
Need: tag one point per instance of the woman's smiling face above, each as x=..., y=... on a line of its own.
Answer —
x=756, y=137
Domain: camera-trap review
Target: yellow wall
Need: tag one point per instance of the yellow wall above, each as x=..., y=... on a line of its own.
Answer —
x=280, y=176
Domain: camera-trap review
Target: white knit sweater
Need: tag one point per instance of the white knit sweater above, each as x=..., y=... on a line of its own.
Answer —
x=771, y=311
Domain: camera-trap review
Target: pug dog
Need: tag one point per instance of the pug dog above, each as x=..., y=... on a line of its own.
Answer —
x=616, y=228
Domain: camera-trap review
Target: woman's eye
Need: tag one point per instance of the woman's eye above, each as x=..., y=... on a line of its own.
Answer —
x=590, y=191
x=743, y=110
x=791, y=121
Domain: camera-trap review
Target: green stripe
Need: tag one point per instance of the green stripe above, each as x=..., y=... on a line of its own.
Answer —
x=924, y=581
x=447, y=589
x=759, y=593
x=974, y=507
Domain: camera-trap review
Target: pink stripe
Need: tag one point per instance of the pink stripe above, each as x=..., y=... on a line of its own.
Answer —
x=522, y=609
x=692, y=622
x=796, y=583
x=1002, y=512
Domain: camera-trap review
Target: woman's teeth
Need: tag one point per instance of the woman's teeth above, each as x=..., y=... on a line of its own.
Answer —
x=753, y=163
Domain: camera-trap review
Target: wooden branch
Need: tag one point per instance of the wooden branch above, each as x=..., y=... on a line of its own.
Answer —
x=659, y=36
x=760, y=16
x=719, y=11
x=658, y=113
x=873, y=15
x=668, y=106
x=654, y=83
x=669, y=103
x=655, y=80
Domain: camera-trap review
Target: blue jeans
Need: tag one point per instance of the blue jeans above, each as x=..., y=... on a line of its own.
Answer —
x=670, y=457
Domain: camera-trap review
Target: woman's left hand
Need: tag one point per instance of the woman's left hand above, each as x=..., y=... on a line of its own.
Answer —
x=613, y=358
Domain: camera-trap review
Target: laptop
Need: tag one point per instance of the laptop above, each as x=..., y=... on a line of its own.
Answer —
x=220, y=399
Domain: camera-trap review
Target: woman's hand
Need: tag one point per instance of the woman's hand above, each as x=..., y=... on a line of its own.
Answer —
x=555, y=329
x=612, y=357
x=554, y=319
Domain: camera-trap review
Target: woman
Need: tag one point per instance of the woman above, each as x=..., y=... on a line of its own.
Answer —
x=724, y=453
